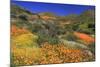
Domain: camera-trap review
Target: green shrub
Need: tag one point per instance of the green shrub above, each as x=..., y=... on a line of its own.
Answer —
x=92, y=47
x=70, y=37
x=53, y=40
x=46, y=38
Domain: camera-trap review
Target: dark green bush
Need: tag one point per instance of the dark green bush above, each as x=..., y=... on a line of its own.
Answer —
x=92, y=48
x=53, y=40
x=46, y=38
x=70, y=37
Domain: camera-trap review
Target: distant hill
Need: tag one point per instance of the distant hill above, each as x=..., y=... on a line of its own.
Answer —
x=84, y=22
x=18, y=10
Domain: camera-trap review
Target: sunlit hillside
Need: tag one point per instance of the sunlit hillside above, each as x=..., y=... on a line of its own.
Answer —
x=46, y=38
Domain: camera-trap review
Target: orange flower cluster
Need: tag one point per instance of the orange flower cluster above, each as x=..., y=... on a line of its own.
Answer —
x=60, y=54
x=48, y=54
x=17, y=31
x=86, y=38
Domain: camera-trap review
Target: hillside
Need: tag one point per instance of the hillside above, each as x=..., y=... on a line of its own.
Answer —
x=49, y=38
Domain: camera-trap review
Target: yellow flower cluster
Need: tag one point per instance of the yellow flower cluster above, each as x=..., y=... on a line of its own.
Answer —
x=61, y=54
x=24, y=56
x=48, y=54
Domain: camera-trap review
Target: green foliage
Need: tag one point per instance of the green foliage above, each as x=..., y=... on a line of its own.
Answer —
x=69, y=27
x=46, y=38
x=70, y=37
x=61, y=31
x=53, y=40
x=85, y=22
x=18, y=10
x=23, y=17
x=85, y=28
x=92, y=47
